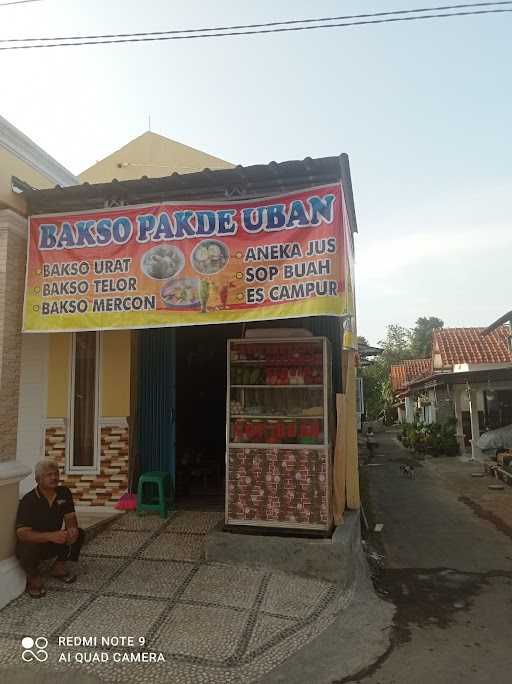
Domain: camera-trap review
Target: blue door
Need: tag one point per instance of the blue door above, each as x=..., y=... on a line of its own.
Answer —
x=156, y=390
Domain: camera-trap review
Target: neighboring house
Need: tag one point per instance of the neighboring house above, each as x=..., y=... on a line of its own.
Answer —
x=21, y=158
x=468, y=377
x=151, y=155
x=400, y=375
x=367, y=354
x=34, y=368
x=50, y=356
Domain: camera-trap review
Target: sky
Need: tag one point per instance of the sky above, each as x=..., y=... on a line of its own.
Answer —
x=423, y=110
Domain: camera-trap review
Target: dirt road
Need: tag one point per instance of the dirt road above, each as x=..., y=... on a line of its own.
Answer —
x=446, y=564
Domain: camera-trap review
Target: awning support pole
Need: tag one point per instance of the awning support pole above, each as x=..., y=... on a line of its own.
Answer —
x=458, y=416
x=475, y=427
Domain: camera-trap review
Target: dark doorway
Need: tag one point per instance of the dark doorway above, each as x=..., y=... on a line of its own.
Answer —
x=498, y=408
x=201, y=380
x=180, y=407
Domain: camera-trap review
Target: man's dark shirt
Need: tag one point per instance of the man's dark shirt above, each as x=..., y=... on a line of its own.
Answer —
x=34, y=510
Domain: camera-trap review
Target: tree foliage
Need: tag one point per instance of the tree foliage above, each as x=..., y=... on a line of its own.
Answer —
x=396, y=344
x=421, y=336
x=399, y=344
x=374, y=380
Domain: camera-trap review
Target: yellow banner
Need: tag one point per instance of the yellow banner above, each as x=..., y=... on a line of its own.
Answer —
x=180, y=263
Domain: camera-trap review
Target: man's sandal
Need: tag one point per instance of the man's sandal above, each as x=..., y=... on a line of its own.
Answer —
x=67, y=577
x=36, y=592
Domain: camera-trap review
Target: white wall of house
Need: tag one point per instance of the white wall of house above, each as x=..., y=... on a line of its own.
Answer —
x=21, y=157
x=410, y=410
x=426, y=414
x=465, y=367
x=433, y=405
x=426, y=408
x=464, y=402
x=32, y=403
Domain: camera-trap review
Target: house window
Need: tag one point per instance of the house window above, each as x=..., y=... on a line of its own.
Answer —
x=83, y=437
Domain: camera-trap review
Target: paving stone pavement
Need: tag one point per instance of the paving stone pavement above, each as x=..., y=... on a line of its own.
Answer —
x=148, y=579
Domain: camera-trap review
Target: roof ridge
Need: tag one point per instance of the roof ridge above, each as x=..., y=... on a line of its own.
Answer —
x=405, y=361
x=466, y=327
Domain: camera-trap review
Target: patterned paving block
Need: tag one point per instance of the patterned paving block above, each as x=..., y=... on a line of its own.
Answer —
x=253, y=667
x=13, y=669
x=229, y=585
x=144, y=584
x=139, y=523
x=92, y=573
x=109, y=616
x=184, y=547
x=169, y=672
x=116, y=543
x=10, y=653
x=27, y=616
x=266, y=629
x=201, y=632
x=196, y=522
x=294, y=596
x=150, y=578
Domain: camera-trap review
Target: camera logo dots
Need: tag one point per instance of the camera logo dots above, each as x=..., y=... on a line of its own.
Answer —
x=34, y=649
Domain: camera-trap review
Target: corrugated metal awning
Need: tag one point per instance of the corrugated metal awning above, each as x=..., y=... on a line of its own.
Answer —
x=240, y=182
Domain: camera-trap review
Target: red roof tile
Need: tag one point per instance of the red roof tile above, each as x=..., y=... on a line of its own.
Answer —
x=469, y=345
x=406, y=371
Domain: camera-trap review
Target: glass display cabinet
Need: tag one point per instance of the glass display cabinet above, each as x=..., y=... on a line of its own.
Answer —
x=278, y=433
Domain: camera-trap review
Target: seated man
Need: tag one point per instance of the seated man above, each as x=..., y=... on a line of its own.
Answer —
x=41, y=513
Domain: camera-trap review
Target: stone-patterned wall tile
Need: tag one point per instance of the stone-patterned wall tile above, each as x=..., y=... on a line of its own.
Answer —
x=110, y=483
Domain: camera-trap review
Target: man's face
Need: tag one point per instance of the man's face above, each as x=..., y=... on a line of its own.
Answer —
x=49, y=479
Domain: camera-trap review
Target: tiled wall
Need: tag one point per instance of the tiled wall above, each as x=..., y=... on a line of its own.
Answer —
x=12, y=279
x=55, y=444
x=278, y=486
x=105, y=488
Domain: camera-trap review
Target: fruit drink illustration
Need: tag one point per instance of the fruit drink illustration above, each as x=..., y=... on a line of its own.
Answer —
x=204, y=294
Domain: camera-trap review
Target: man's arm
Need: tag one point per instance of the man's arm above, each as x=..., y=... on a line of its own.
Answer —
x=71, y=525
x=27, y=534
x=70, y=519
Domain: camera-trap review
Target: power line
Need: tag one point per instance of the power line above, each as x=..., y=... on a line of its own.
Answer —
x=17, y=2
x=263, y=25
x=258, y=32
